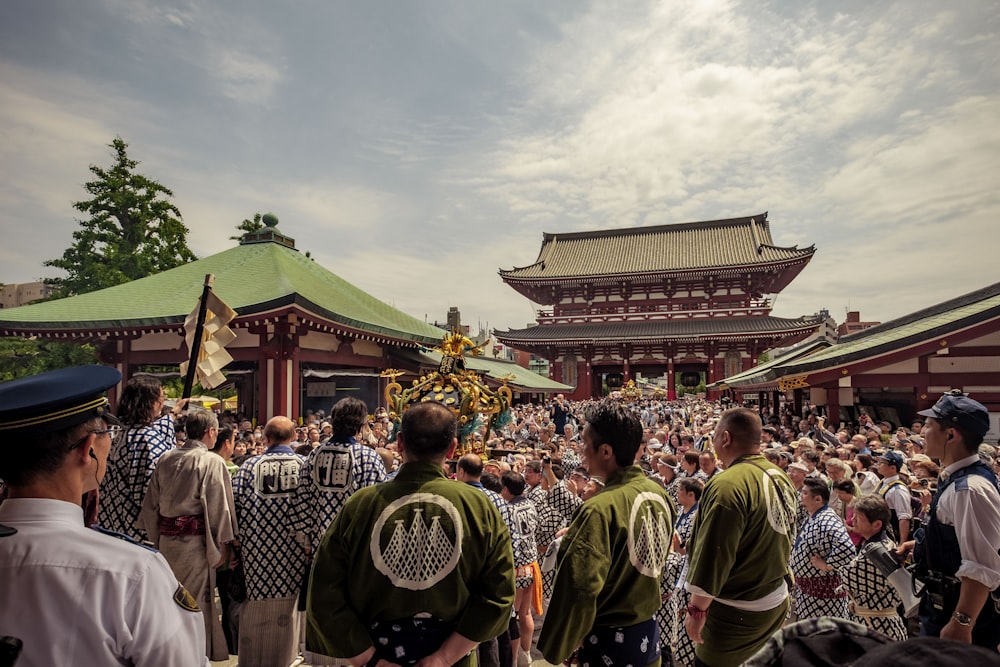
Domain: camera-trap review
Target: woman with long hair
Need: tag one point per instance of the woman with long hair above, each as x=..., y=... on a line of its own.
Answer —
x=146, y=437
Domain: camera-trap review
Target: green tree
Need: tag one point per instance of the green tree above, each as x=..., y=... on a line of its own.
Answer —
x=20, y=357
x=248, y=226
x=132, y=230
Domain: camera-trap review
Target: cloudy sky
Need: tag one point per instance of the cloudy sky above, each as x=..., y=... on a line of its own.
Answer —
x=416, y=147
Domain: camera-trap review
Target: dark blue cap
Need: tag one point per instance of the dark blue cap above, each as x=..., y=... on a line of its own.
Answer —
x=893, y=459
x=55, y=400
x=958, y=409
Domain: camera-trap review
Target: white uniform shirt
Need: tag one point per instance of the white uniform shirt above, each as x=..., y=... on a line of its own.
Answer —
x=897, y=497
x=975, y=514
x=77, y=597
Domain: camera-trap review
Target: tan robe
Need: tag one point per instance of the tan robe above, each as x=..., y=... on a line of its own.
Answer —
x=191, y=480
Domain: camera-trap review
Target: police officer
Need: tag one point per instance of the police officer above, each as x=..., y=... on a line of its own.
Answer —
x=75, y=595
x=956, y=554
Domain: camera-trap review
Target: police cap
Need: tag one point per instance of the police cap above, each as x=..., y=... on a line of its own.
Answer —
x=55, y=400
x=894, y=459
x=957, y=408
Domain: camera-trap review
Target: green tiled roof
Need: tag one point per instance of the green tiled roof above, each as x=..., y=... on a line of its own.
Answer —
x=922, y=325
x=936, y=320
x=523, y=379
x=251, y=278
x=737, y=242
x=761, y=372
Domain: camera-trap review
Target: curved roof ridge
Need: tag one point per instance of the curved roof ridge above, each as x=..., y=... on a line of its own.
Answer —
x=790, y=248
x=760, y=218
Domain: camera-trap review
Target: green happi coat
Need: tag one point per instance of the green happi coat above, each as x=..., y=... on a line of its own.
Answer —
x=610, y=562
x=739, y=550
x=420, y=543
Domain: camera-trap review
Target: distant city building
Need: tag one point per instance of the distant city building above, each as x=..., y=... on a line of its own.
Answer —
x=853, y=324
x=21, y=294
x=827, y=331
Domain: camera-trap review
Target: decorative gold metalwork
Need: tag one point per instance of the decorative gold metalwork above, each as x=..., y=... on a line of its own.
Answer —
x=631, y=392
x=793, y=382
x=472, y=401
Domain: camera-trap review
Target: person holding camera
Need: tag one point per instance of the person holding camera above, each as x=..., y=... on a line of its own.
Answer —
x=873, y=600
x=956, y=553
x=559, y=413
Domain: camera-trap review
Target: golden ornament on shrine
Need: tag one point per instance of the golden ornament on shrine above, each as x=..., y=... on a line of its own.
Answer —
x=459, y=389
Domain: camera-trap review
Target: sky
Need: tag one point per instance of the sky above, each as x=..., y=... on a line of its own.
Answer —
x=415, y=148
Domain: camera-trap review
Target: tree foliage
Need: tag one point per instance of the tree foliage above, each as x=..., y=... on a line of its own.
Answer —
x=20, y=357
x=248, y=226
x=132, y=230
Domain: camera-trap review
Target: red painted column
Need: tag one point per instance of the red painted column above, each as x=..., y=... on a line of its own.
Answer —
x=671, y=380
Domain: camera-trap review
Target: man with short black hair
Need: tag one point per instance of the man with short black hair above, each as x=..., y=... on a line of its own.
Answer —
x=334, y=471
x=822, y=547
x=534, y=489
x=469, y=470
x=73, y=595
x=957, y=555
x=607, y=583
x=895, y=492
x=873, y=600
x=370, y=599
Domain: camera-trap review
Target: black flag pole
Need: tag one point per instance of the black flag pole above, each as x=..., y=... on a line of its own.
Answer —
x=196, y=344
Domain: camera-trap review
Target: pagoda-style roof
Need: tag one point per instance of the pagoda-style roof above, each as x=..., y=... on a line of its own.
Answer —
x=659, y=330
x=742, y=244
x=930, y=329
x=261, y=275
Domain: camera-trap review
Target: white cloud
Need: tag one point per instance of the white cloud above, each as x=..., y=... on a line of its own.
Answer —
x=869, y=132
x=245, y=78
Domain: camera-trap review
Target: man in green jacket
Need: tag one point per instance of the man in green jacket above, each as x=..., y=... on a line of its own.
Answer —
x=607, y=586
x=418, y=570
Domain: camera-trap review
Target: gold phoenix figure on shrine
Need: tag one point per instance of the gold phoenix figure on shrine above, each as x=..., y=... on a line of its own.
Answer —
x=457, y=388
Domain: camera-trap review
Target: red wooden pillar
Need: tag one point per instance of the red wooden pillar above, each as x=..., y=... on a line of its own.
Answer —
x=278, y=369
x=832, y=407
x=671, y=380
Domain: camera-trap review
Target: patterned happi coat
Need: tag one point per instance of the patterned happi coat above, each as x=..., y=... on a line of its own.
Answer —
x=264, y=491
x=525, y=519
x=130, y=466
x=868, y=588
x=331, y=474
x=554, y=514
x=670, y=616
x=683, y=649
x=818, y=593
x=420, y=543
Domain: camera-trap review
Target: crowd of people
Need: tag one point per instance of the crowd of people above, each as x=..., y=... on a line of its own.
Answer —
x=687, y=532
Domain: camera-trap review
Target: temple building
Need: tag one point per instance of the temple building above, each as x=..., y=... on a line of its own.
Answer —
x=305, y=337
x=890, y=371
x=689, y=303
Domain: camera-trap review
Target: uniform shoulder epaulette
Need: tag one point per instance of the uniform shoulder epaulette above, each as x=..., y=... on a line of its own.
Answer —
x=123, y=537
